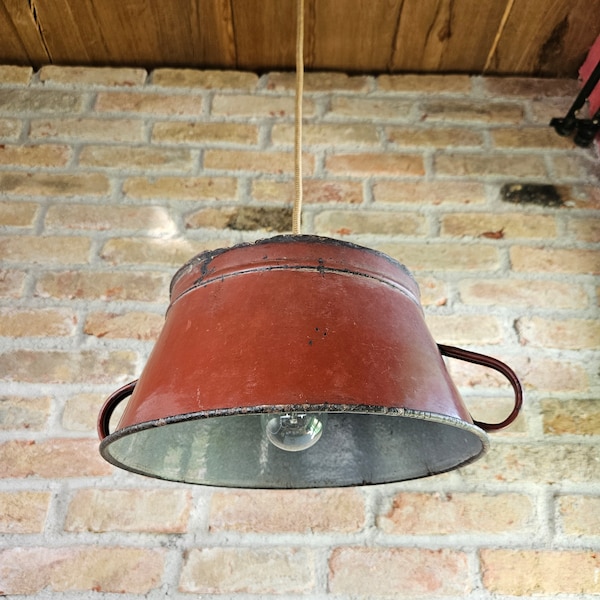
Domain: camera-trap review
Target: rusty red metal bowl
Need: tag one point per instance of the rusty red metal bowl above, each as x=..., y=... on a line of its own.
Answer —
x=295, y=325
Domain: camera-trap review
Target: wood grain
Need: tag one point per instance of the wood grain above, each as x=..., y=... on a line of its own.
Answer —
x=524, y=37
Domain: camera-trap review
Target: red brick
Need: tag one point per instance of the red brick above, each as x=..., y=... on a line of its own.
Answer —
x=49, y=250
x=34, y=570
x=525, y=293
x=450, y=256
x=38, y=322
x=535, y=572
x=374, y=163
x=149, y=219
x=398, y=572
x=302, y=511
x=148, y=511
x=571, y=417
x=569, y=334
x=450, y=513
x=52, y=459
x=579, y=515
x=425, y=192
x=248, y=571
x=130, y=325
x=104, y=285
x=554, y=260
x=23, y=511
x=17, y=412
x=18, y=214
x=182, y=188
x=57, y=366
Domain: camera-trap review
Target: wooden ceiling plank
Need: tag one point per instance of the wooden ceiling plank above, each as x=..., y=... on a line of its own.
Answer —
x=139, y=33
x=356, y=36
x=21, y=41
x=446, y=35
x=265, y=34
x=546, y=37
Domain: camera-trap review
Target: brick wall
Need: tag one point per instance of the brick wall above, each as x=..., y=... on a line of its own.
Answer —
x=112, y=178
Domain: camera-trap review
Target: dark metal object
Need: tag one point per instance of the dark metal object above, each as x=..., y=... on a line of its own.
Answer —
x=296, y=324
x=586, y=128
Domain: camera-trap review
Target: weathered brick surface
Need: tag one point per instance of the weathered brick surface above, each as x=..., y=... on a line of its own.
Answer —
x=419, y=514
x=394, y=572
x=37, y=322
x=92, y=76
x=530, y=572
x=579, y=515
x=22, y=183
x=17, y=412
x=104, y=285
x=148, y=103
x=112, y=178
x=52, y=459
x=149, y=511
x=132, y=325
x=244, y=570
x=316, y=511
x=58, y=366
x=32, y=570
x=576, y=417
x=23, y=512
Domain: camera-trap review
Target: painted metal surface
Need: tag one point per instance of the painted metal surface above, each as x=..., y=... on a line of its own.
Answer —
x=294, y=323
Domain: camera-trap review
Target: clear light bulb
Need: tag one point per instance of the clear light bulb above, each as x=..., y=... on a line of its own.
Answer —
x=294, y=431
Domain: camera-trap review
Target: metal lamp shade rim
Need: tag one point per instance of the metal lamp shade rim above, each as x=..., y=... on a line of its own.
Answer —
x=262, y=481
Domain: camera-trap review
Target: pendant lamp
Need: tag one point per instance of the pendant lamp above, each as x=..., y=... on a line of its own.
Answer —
x=296, y=362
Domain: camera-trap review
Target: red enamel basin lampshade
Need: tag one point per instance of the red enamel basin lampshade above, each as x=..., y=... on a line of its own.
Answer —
x=296, y=362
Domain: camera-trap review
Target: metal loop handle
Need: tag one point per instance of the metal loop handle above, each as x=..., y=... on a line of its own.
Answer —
x=497, y=365
x=110, y=405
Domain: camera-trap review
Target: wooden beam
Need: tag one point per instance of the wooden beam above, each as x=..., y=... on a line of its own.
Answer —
x=21, y=39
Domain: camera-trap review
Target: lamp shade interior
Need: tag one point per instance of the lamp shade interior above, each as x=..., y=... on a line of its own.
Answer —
x=355, y=448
